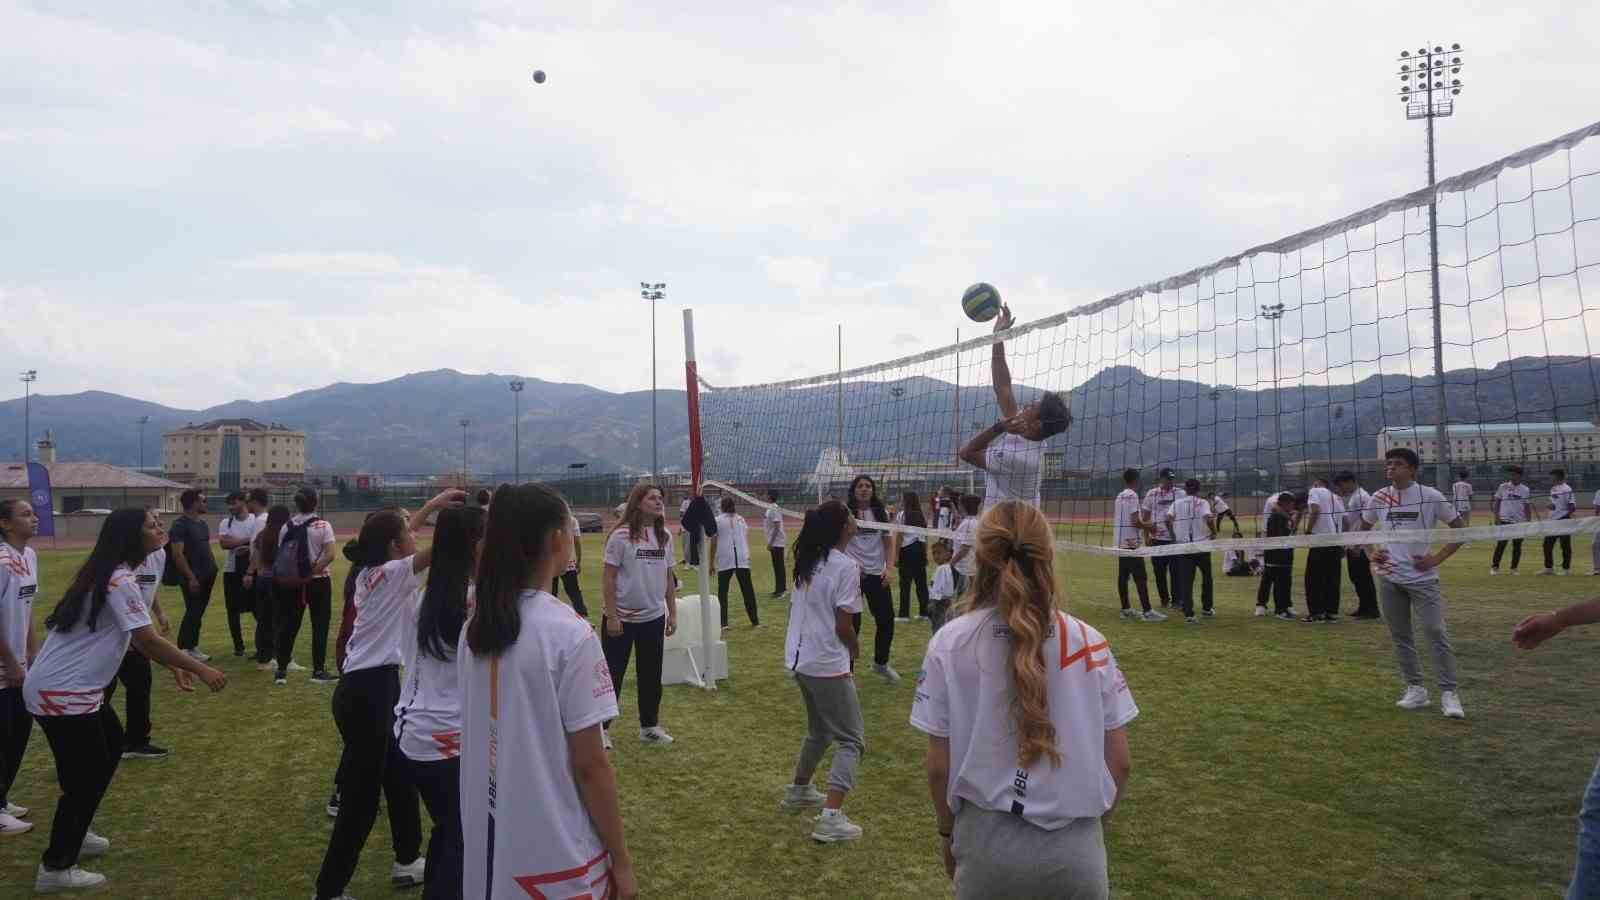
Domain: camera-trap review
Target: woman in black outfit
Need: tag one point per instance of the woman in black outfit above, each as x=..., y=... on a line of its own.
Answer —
x=913, y=561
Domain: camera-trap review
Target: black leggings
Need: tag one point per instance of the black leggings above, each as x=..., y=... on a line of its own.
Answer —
x=136, y=675
x=650, y=639
x=266, y=601
x=746, y=587
x=363, y=708
x=881, y=605
x=574, y=591
x=87, y=749
x=780, y=578
x=914, y=572
x=1500, y=549
x=16, y=725
x=317, y=596
x=439, y=783
x=1132, y=567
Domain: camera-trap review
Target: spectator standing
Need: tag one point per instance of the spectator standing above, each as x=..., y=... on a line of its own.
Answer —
x=1562, y=506
x=1356, y=500
x=1324, y=513
x=777, y=543
x=189, y=549
x=1511, y=507
x=1461, y=495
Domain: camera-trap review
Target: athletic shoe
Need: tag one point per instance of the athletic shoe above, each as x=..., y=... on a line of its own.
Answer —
x=796, y=796
x=775, y=595
x=1330, y=619
x=902, y=618
x=333, y=804
x=1311, y=619
x=886, y=672
x=1493, y=571
x=408, y=875
x=1513, y=571
x=1564, y=572
x=1450, y=705
x=294, y=667
x=266, y=667
x=56, y=881
x=1287, y=615
x=655, y=734
x=1415, y=697
x=146, y=751
x=1130, y=614
x=196, y=655
x=10, y=825
x=320, y=677
x=94, y=845
x=280, y=680
x=239, y=652
x=1151, y=615
x=1260, y=611
x=1208, y=612
x=834, y=828
x=15, y=809
x=1191, y=620
x=605, y=739
x=1545, y=572
x=1594, y=571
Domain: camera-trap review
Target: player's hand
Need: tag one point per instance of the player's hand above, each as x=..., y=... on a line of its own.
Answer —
x=213, y=678
x=672, y=624
x=624, y=886
x=1003, y=320
x=194, y=585
x=184, y=679
x=448, y=498
x=949, y=857
x=1535, y=630
x=613, y=625
x=163, y=624
x=1424, y=563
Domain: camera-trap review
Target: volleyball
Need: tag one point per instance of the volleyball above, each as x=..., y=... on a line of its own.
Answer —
x=538, y=76
x=981, y=302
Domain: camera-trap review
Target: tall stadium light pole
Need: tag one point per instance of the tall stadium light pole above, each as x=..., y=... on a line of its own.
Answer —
x=464, y=424
x=1272, y=314
x=1428, y=88
x=517, y=384
x=143, y=421
x=653, y=292
x=897, y=392
x=28, y=378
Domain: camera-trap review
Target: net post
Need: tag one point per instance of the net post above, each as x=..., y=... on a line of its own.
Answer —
x=708, y=629
x=839, y=421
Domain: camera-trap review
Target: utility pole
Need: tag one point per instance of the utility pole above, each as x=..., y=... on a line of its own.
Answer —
x=653, y=292
x=1273, y=314
x=143, y=421
x=897, y=392
x=464, y=424
x=28, y=378
x=517, y=384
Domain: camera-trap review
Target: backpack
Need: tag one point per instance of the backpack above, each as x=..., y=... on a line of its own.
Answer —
x=291, y=568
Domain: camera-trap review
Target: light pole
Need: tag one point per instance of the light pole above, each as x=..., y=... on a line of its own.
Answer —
x=653, y=292
x=1272, y=314
x=143, y=421
x=1422, y=77
x=738, y=454
x=28, y=378
x=517, y=385
x=897, y=392
x=464, y=424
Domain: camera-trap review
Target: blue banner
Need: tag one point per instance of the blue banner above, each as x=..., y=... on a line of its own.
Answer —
x=39, y=497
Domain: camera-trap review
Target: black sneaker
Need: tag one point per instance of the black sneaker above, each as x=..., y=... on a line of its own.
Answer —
x=333, y=805
x=1311, y=619
x=145, y=751
x=321, y=677
x=1329, y=619
x=1285, y=615
x=239, y=652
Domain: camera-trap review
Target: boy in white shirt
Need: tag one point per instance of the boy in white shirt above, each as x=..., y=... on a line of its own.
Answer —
x=942, y=592
x=1357, y=564
x=1190, y=521
x=1562, y=506
x=777, y=543
x=1461, y=495
x=1157, y=501
x=1128, y=530
x=1511, y=507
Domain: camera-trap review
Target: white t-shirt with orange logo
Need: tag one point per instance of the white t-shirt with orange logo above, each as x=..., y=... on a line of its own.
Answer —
x=526, y=829
x=19, y=581
x=385, y=598
x=811, y=646
x=964, y=694
x=70, y=676
x=643, y=569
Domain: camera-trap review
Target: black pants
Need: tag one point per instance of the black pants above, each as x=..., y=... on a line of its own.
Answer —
x=1183, y=570
x=16, y=726
x=237, y=598
x=363, y=708
x=317, y=595
x=135, y=675
x=1278, y=580
x=914, y=573
x=266, y=601
x=694, y=548
x=1160, y=564
x=746, y=587
x=1566, y=551
x=650, y=640
x=1500, y=549
x=194, y=609
x=1360, y=569
x=780, y=577
x=1228, y=514
x=87, y=749
x=574, y=591
x=881, y=605
x=439, y=783
x=1322, y=580
x=1132, y=567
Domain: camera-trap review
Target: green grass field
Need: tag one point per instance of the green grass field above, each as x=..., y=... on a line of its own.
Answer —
x=1269, y=761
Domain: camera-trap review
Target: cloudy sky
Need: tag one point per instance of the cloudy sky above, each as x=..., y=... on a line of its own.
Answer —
x=212, y=201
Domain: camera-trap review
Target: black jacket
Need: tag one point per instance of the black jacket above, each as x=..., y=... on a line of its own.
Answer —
x=699, y=517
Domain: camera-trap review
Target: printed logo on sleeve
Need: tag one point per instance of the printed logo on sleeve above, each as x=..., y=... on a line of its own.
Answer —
x=602, y=680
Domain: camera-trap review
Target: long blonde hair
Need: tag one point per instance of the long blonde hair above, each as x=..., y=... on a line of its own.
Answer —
x=633, y=515
x=1016, y=576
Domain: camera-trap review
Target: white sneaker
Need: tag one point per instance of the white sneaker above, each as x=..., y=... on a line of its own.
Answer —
x=10, y=825
x=1545, y=572
x=655, y=735
x=55, y=881
x=1563, y=571
x=1493, y=571
x=834, y=828
x=1513, y=572
x=605, y=739
x=796, y=796
x=94, y=845
x=280, y=682
x=14, y=809
x=1450, y=705
x=1151, y=615
x=1261, y=611
x=1130, y=614
x=886, y=672
x=409, y=875
x=902, y=619
x=197, y=655
x=1415, y=697
x=266, y=667
x=294, y=667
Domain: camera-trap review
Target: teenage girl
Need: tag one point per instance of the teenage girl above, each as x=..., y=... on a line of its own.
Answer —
x=639, y=610
x=19, y=644
x=730, y=549
x=913, y=559
x=875, y=551
x=258, y=579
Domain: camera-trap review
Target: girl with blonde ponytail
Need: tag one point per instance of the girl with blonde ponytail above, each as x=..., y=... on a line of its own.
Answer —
x=1025, y=712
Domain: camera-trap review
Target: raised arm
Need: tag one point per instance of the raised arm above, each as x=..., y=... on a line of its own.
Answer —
x=1000, y=373
x=424, y=557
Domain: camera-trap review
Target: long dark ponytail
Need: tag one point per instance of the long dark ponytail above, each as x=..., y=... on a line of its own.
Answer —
x=371, y=547
x=120, y=543
x=444, y=602
x=824, y=526
x=267, y=540
x=520, y=521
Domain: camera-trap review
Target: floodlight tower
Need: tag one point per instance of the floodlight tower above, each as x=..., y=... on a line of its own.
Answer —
x=653, y=292
x=1272, y=313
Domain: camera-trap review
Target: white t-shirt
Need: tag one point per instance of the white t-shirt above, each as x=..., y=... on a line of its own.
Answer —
x=1416, y=508
x=907, y=538
x=1510, y=500
x=642, y=573
x=1013, y=467
x=772, y=523
x=243, y=529
x=1461, y=491
x=19, y=581
x=517, y=783
x=576, y=530
x=148, y=576
x=70, y=676
x=1125, y=527
x=1157, y=501
x=1329, y=511
x=967, y=536
x=427, y=720
x=733, y=542
x=1186, y=518
x=385, y=599
x=1354, y=504
x=866, y=547
x=812, y=646
x=1561, y=503
x=1218, y=505
x=947, y=513
x=944, y=584
x=964, y=693
x=318, y=538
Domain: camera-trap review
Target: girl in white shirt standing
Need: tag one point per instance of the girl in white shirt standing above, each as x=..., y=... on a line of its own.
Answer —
x=777, y=543
x=1024, y=708
x=913, y=558
x=730, y=547
x=820, y=648
x=875, y=551
x=88, y=633
x=19, y=644
x=965, y=562
x=538, y=796
x=640, y=612
x=427, y=720
x=387, y=567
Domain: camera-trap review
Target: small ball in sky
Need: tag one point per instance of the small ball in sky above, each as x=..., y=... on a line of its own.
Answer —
x=538, y=76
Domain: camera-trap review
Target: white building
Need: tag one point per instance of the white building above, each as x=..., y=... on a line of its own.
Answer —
x=1515, y=442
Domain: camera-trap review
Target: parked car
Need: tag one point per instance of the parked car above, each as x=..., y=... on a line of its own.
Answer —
x=589, y=522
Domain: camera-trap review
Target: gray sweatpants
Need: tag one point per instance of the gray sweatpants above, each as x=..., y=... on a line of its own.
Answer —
x=1402, y=601
x=833, y=715
x=1000, y=855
